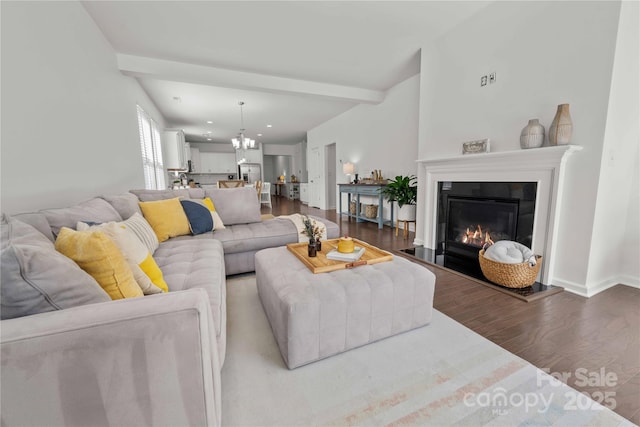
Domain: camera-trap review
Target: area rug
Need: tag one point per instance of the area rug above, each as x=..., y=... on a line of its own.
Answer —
x=442, y=374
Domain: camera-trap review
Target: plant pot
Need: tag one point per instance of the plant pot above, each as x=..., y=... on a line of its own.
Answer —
x=407, y=213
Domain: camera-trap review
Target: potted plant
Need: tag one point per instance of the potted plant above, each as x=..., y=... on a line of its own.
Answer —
x=404, y=192
x=314, y=233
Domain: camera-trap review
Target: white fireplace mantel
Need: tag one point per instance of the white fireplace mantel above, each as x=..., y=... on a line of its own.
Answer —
x=545, y=166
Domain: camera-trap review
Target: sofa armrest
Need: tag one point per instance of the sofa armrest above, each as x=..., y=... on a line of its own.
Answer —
x=141, y=361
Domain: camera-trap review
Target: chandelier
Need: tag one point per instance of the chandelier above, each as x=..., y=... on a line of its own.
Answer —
x=242, y=141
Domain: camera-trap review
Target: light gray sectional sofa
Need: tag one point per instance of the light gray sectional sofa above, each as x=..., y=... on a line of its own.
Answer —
x=153, y=360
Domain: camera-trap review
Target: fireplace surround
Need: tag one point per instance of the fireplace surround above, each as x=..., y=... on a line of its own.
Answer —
x=541, y=167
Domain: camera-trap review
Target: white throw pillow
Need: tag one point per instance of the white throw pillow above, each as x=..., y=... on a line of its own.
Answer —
x=510, y=252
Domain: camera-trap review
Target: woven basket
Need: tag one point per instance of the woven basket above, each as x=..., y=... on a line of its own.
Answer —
x=371, y=211
x=509, y=275
x=352, y=207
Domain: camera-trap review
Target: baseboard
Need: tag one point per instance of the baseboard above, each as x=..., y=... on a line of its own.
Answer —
x=631, y=281
x=596, y=288
x=574, y=288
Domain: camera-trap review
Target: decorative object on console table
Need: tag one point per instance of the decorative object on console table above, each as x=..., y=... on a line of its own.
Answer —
x=532, y=136
x=475, y=147
x=348, y=169
x=561, y=128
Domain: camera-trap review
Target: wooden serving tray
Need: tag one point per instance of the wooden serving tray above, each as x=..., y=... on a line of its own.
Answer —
x=320, y=263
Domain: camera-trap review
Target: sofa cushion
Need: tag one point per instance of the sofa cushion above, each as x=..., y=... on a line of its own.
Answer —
x=145, y=270
x=94, y=210
x=126, y=204
x=166, y=217
x=236, y=205
x=38, y=221
x=196, y=193
x=35, y=278
x=99, y=256
x=255, y=236
x=197, y=262
x=153, y=195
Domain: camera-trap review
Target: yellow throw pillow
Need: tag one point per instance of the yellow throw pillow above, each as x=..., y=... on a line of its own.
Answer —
x=99, y=256
x=166, y=217
x=144, y=268
x=151, y=269
x=209, y=203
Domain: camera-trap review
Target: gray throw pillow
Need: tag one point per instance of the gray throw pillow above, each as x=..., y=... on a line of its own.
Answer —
x=35, y=278
x=95, y=210
x=126, y=204
x=236, y=205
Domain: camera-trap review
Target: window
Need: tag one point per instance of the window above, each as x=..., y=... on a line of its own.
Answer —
x=151, y=152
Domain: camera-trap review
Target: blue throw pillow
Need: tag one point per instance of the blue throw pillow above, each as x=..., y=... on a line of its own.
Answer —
x=199, y=216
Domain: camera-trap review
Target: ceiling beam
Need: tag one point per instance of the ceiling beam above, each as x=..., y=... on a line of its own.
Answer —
x=140, y=66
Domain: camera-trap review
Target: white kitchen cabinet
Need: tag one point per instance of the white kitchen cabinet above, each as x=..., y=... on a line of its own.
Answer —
x=175, y=150
x=196, y=165
x=218, y=163
x=250, y=156
x=304, y=193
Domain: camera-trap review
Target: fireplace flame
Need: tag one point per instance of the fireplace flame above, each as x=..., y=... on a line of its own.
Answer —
x=476, y=237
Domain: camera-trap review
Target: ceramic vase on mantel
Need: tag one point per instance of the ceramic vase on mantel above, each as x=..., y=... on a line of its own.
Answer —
x=532, y=136
x=561, y=128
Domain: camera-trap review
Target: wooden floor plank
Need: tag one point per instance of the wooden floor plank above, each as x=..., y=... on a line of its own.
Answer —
x=562, y=332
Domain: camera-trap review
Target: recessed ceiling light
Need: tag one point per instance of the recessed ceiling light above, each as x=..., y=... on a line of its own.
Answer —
x=259, y=134
x=269, y=126
x=209, y=122
x=208, y=139
x=208, y=131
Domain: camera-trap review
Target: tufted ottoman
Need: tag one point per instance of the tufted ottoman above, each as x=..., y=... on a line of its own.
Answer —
x=314, y=316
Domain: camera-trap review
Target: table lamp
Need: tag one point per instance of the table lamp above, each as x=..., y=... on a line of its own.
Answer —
x=348, y=169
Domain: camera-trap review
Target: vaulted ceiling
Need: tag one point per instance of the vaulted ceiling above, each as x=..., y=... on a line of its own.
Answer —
x=295, y=64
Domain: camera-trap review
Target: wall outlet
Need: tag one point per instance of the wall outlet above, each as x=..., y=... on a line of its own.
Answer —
x=483, y=81
x=492, y=77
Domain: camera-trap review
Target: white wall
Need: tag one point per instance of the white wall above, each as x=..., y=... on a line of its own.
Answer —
x=383, y=136
x=544, y=54
x=616, y=249
x=69, y=117
x=298, y=158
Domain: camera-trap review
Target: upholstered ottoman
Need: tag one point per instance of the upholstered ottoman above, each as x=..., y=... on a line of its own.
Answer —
x=314, y=316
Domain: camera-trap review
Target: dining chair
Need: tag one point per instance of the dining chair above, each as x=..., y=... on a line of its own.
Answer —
x=265, y=194
x=258, y=186
x=232, y=183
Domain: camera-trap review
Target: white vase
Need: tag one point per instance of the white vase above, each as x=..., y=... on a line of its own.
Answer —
x=561, y=128
x=532, y=136
x=407, y=213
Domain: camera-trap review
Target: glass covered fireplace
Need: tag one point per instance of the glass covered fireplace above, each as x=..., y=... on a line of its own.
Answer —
x=472, y=214
x=474, y=222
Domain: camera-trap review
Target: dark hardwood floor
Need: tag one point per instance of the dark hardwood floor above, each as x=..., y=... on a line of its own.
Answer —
x=562, y=333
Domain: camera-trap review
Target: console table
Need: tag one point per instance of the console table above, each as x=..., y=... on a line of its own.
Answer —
x=363, y=190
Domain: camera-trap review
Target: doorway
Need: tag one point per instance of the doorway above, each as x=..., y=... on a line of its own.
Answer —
x=330, y=174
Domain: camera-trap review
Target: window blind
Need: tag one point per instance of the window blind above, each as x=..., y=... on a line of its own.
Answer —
x=151, y=147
